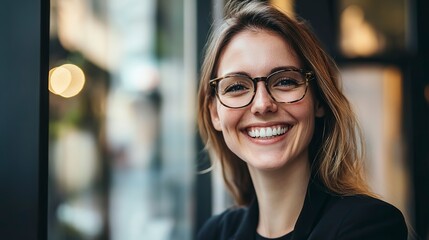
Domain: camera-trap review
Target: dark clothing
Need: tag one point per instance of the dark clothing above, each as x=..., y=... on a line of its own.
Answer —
x=324, y=216
x=285, y=237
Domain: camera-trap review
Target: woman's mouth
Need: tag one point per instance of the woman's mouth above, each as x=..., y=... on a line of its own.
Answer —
x=267, y=132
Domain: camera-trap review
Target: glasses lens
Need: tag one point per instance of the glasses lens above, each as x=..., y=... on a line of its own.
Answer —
x=235, y=91
x=287, y=86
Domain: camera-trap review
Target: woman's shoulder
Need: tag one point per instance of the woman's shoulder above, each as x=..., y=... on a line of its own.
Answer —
x=225, y=223
x=361, y=201
x=363, y=205
x=365, y=216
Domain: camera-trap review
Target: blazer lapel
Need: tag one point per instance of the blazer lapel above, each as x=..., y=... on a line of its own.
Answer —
x=247, y=228
x=314, y=202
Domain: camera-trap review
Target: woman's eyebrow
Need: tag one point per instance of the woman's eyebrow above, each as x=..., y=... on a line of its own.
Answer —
x=283, y=68
x=237, y=72
x=271, y=71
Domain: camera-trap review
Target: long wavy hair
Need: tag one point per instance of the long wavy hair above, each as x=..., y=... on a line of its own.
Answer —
x=336, y=149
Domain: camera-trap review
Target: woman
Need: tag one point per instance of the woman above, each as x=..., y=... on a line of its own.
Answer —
x=271, y=110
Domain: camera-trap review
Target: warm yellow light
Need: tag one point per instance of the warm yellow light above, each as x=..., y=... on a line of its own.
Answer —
x=60, y=79
x=66, y=80
x=285, y=6
x=50, y=80
x=358, y=36
x=77, y=83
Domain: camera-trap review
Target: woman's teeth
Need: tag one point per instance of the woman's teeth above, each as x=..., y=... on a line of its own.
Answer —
x=267, y=132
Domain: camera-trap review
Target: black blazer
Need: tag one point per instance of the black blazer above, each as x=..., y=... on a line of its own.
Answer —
x=324, y=216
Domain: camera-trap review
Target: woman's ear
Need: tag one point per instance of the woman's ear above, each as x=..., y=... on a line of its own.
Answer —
x=319, y=109
x=214, y=115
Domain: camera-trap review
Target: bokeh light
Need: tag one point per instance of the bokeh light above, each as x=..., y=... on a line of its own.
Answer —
x=66, y=80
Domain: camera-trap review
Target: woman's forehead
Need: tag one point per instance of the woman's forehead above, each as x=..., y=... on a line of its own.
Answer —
x=256, y=52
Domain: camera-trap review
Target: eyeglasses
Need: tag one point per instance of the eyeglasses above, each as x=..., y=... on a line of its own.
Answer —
x=284, y=86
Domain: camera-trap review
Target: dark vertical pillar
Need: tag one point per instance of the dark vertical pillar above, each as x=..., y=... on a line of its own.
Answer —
x=203, y=190
x=24, y=26
x=420, y=121
x=323, y=18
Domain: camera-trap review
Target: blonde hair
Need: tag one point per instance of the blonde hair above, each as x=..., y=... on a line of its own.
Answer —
x=336, y=150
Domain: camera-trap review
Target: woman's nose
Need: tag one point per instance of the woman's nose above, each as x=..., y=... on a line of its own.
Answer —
x=263, y=102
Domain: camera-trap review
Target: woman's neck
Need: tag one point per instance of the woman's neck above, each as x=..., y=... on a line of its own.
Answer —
x=281, y=195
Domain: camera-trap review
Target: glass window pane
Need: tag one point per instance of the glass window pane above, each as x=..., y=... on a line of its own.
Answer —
x=121, y=127
x=369, y=28
x=375, y=92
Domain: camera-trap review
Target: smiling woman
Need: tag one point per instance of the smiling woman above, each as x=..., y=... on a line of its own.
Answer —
x=287, y=143
x=264, y=113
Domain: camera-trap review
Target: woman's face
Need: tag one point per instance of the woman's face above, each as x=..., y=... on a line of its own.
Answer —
x=257, y=53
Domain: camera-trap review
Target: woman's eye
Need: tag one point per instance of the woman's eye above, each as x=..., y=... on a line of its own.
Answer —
x=234, y=88
x=286, y=83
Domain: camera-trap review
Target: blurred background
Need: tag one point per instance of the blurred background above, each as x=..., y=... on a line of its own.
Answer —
x=124, y=155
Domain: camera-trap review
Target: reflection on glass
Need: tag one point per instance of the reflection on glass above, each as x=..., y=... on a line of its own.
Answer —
x=376, y=94
x=369, y=28
x=66, y=80
x=121, y=151
x=358, y=37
